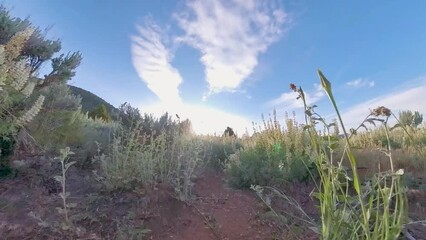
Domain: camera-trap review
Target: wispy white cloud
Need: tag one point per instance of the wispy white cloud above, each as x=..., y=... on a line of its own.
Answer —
x=360, y=82
x=289, y=101
x=151, y=58
x=152, y=61
x=230, y=34
x=408, y=99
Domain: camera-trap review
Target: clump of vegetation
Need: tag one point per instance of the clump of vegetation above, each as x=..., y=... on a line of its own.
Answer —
x=273, y=155
x=131, y=151
x=39, y=114
x=59, y=122
x=100, y=112
x=350, y=209
x=139, y=156
x=410, y=119
x=15, y=88
x=217, y=150
x=406, y=139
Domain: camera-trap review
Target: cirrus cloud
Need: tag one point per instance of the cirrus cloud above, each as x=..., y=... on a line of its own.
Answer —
x=361, y=82
x=230, y=36
x=151, y=59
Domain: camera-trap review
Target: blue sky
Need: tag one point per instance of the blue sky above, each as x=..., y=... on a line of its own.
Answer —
x=225, y=62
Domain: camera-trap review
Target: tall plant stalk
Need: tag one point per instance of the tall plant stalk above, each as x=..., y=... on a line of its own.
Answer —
x=349, y=209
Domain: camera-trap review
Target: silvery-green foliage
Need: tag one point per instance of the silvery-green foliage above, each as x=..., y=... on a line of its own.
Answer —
x=133, y=158
x=59, y=97
x=32, y=112
x=14, y=72
x=15, y=86
x=185, y=157
x=65, y=165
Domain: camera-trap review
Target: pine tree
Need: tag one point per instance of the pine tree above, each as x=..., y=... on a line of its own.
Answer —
x=100, y=112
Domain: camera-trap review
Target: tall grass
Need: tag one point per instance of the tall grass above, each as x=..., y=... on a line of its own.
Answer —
x=273, y=155
x=349, y=209
x=408, y=147
x=218, y=149
x=134, y=159
x=127, y=162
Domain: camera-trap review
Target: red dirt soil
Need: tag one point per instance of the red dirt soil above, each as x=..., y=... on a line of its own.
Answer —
x=218, y=212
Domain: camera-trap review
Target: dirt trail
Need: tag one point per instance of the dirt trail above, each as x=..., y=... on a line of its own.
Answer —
x=218, y=212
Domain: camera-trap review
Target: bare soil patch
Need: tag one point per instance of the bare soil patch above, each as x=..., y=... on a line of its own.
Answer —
x=28, y=210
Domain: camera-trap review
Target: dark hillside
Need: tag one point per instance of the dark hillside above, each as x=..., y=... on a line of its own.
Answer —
x=90, y=101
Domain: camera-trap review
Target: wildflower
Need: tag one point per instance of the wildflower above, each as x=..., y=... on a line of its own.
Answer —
x=32, y=112
x=381, y=111
x=293, y=87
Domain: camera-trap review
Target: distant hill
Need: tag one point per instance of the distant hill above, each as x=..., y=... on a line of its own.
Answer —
x=90, y=101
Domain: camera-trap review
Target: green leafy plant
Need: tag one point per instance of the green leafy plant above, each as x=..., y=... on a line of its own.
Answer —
x=128, y=162
x=185, y=157
x=15, y=89
x=410, y=119
x=273, y=155
x=63, y=158
x=349, y=209
x=135, y=158
x=216, y=150
x=100, y=112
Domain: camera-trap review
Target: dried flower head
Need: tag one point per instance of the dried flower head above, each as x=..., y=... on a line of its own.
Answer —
x=28, y=89
x=15, y=45
x=293, y=87
x=381, y=111
x=32, y=112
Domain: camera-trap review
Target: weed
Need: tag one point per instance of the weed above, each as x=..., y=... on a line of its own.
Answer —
x=135, y=159
x=62, y=179
x=350, y=209
x=273, y=155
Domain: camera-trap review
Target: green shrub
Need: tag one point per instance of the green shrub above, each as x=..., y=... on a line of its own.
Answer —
x=15, y=89
x=23, y=50
x=127, y=162
x=134, y=159
x=61, y=124
x=256, y=166
x=350, y=209
x=185, y=156
x=266, y=165
x=217, y=150
x=272, y=155
x=100, y=112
